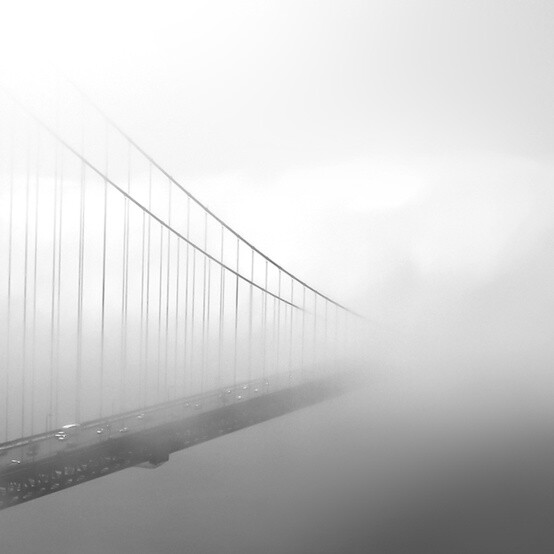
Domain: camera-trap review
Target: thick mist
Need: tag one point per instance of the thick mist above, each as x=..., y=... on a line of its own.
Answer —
x=397, y=156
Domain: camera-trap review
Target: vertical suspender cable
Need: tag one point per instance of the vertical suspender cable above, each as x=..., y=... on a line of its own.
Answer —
x=285, y=334
x=147, y=307
x=168, y=276
x=192, y=314
x=326, y=335
x=221, y=308
x=52, y=387
x=25, y=274
x=103, y=298
x=264, y=353
x=176, y=334
x=315, y=331
x=142, y=342
x=208, y=310
x=59, y=294
x=336, y=341
x=125, y=289
x=274, y=335
x=250, y=319
x=160, y=296
x=208, y=313
x=186, y=297
x=236, y=316
x=346, y=346
x=291, y=325
x=302, y=346
x=9, y=286
x=80, y=276
x=35, y=270
x=278, y=352
x=204, y=276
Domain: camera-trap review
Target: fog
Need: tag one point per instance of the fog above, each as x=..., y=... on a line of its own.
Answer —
x=398, y=157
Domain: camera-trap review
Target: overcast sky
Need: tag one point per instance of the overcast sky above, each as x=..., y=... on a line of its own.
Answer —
x=397, y=155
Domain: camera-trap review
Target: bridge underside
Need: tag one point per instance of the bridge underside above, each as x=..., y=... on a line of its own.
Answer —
x=151, y=447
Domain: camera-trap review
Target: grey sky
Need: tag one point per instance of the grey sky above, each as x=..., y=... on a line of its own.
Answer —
x=395, y=154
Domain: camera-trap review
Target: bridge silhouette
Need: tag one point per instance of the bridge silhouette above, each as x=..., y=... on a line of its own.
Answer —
x=134, y=321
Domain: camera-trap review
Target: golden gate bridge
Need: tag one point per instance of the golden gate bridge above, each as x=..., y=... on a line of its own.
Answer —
x=134, y=321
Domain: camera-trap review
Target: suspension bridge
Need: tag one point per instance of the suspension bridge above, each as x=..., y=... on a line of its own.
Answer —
x=134, y=321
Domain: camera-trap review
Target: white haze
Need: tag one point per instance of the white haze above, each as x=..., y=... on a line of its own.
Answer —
x=396, y=155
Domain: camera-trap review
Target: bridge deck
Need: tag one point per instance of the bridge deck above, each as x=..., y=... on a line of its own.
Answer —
x=43, y=464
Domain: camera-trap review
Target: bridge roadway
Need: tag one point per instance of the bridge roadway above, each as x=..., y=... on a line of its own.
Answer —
x=43, y=464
